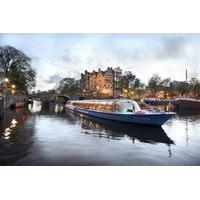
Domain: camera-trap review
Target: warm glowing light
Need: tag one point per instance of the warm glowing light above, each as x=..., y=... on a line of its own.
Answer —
x=106, y=91
x=30, y=106
x=84, y=90
x=8, y=130
x=13, y=86
x=125, y=90
x=6, y=80
x=13, y=91
x=14, y=121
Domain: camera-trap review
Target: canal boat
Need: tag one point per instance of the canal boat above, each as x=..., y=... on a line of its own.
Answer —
x=17, y=105
x=120, y=110
x=187, y=104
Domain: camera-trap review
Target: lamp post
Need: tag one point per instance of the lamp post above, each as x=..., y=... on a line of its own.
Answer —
x=13, y=87
x=84, y=91
x=6, y=81
x=97, y=90
x=126, y=92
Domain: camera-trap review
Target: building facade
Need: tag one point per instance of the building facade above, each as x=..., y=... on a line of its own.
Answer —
x=102, y=84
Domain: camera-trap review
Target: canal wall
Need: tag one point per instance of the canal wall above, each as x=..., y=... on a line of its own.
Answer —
x=10, y=100
x=1, y=107
x=13, y=99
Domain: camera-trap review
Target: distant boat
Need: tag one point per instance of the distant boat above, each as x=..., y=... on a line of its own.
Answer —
x=17, y=105
x=120, y=110
x=186, y=103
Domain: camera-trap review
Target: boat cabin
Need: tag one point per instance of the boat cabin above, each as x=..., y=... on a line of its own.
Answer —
x=119, y=105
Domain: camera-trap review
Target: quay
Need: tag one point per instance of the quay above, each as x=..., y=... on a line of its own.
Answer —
x=178, y=103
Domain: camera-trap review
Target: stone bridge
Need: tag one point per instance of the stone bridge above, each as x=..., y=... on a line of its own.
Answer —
x=50, y=97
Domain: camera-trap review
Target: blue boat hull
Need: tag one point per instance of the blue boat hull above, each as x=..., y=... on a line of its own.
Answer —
x=156, y=119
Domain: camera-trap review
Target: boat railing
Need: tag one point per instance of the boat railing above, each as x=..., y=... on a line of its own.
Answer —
x=187, y=99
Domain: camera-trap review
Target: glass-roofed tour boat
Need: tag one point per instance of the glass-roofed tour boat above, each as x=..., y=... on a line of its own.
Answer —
x=121, y=110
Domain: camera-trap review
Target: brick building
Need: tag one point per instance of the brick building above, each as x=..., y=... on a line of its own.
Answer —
x=102, y=84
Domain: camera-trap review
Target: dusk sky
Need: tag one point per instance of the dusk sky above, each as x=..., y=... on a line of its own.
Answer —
x=55, y=56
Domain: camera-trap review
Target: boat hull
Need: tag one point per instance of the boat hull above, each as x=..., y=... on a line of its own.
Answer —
x=154, y=119
x=181, y=104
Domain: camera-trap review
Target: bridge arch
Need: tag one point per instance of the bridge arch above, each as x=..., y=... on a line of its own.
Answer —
x=65, y=97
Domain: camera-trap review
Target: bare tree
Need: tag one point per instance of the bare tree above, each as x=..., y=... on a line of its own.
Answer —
x=16, y=66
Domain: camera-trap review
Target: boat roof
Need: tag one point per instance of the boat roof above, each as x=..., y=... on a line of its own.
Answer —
x=104, y=101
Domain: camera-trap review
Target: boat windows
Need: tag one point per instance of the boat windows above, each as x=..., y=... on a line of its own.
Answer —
x=108, y=106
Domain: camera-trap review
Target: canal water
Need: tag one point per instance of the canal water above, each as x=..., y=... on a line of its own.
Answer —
x=53, y=136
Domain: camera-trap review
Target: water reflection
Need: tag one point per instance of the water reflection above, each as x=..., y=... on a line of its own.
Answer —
x=9, y=129
x=16, y=132
x=52, y=136
x=115, y=130
x=118, y=131
x=193, y=113
x=35, y=107
x=58, y=108
x=186, y=131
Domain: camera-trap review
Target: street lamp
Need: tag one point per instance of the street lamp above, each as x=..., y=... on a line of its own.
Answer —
x=6, y=80
x=6, y=87
x=126, y=92
x=84, y=91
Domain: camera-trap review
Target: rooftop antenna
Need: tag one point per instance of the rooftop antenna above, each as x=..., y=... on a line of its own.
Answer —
x=186, y=79
x=186, y=76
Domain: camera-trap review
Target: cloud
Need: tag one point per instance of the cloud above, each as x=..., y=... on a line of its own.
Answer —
x=53, y=79
x=69, y=58
x=56, y=56
x=35, y=58
x=149, y=47
x=94, y=61
x=173, y=47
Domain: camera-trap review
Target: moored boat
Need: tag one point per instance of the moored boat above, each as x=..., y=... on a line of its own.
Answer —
x=187, y=103
x=17, y=105
x=120, y=110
